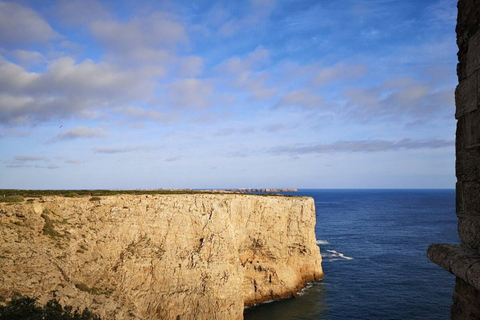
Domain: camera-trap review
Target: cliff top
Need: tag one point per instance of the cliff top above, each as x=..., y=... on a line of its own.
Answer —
x=5, y=193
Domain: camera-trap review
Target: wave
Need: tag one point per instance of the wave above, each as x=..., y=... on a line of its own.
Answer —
x=334, y=255
x=323, y=242
x=304, y=289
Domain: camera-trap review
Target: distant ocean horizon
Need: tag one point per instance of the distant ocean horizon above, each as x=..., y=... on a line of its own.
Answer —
x=373, y=244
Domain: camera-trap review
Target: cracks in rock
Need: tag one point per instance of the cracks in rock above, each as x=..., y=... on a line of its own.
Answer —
x=64, y=275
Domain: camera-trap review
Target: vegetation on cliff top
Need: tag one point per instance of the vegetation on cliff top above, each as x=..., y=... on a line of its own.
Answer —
x=27, y=308
x=12, y=198
x=11, y=194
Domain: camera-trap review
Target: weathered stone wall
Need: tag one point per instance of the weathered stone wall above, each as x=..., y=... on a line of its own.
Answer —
x=467, y=98
x=464, y=260
x=192, y=256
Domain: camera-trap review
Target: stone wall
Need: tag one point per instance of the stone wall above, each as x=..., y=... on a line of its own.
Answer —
x=464, y=260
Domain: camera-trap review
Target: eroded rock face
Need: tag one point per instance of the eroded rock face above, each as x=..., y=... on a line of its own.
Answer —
x=195, y=256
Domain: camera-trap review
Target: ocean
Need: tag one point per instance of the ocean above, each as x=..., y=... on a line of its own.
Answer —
x=373, y=244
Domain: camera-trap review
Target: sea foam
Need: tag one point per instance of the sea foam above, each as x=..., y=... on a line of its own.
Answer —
x=334, y=255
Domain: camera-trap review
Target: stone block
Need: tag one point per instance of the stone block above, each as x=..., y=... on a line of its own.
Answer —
x=459, y=199
x=467, y=165
x=458, y=310
x=466, y=96
x=466, y=300
x=471, y=198
x=468, y=19
x=468, y=227
x=465, y=290
x=468, y=131
x=473, y=277
x=473, y=54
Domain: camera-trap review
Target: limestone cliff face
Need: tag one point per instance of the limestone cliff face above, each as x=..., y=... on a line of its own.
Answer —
x=195, y=256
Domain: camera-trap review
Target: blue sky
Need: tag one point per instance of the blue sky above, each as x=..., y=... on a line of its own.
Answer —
x=227, y=94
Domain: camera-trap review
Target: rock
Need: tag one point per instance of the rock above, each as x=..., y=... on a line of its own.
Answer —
x=190, y=256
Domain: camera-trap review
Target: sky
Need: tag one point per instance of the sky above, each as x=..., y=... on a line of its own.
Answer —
x=227, y=94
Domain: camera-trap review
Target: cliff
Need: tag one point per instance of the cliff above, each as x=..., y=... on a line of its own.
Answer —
x=191, y=256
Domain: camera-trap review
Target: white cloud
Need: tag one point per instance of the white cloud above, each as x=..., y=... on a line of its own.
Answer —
x=191, y=93
x=81, y=12
x=73, y=161
x=113, y=150
x=29, y=58
x=67, y=89
x=142, y=39
x=81, y=132
x=277, y=127
x=29, y=158
x=14, y=78
x=238, y=66
x=243, y=73
x=302, y=98
x=255, y=16
x=191, y=66
x=89, y=78
x=443, y=12
x=137, y=113
x=15, y=166
x=399, y=98
x=20, y=25
x=340, y=72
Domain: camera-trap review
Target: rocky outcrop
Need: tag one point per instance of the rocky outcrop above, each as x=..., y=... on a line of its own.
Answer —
x=191, y=256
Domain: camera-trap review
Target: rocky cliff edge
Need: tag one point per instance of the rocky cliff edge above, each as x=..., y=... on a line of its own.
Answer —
x=191, y=256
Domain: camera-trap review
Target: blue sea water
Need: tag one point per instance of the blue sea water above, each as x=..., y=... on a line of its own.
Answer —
x=373, y=244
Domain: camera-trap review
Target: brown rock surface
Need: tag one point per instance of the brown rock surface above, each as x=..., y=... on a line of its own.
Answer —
x=190, y=256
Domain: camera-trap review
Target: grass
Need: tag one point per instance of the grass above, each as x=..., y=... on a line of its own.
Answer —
x=71, y=194
x=11, y=198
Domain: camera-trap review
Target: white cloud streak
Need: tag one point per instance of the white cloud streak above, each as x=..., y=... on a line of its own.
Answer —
x=29, y=158
x=364, y=146
x=302, y=98
x=81, y=132
x=114, y=150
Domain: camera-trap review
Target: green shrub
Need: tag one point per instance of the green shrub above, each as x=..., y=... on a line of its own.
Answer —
x=71, y=194
x=14, y=198
x=95, y=198
x=26, y=308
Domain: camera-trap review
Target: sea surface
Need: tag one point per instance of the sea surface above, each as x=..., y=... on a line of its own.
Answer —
x=373, y=244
